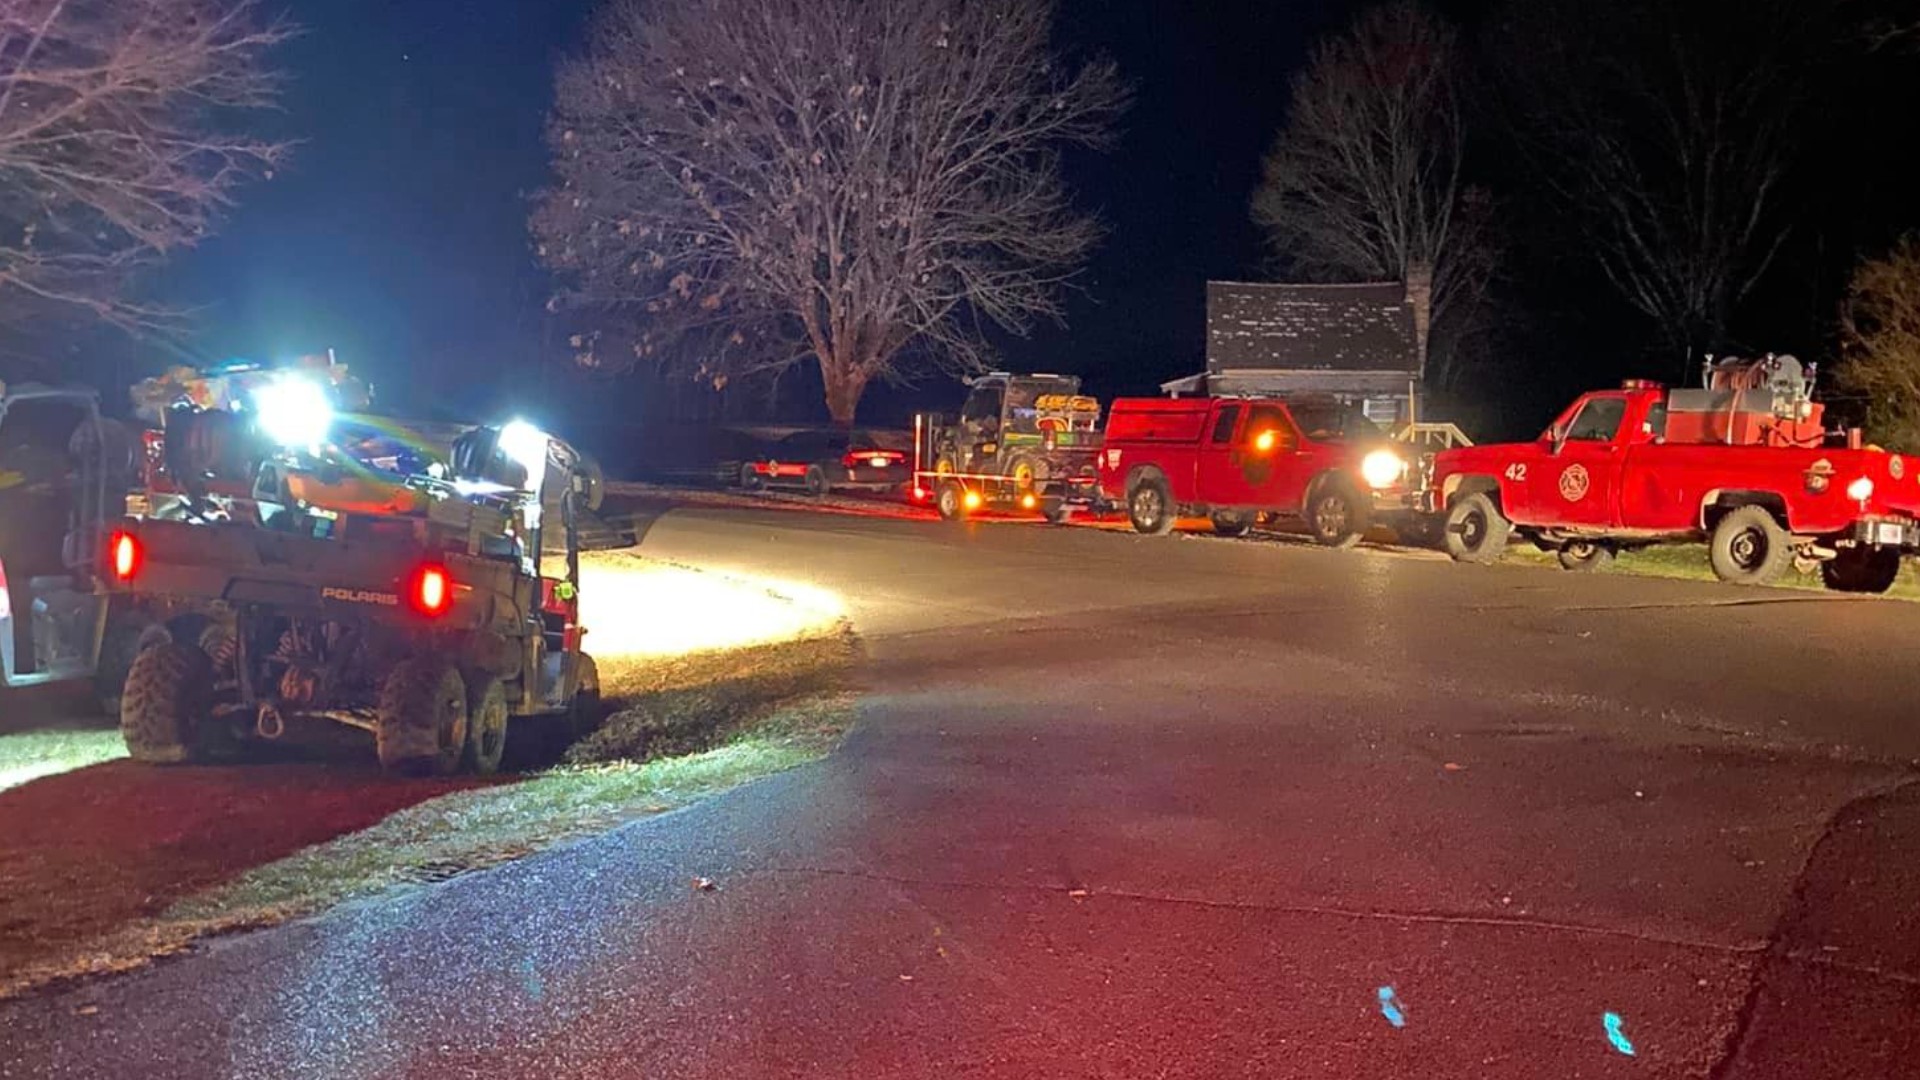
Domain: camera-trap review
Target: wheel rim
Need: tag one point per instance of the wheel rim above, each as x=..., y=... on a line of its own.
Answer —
x=1582, y=552
x=949, y=501
x=1748, y=549
x=1023, y=476
x=1146, y=506
x=1330, y=516
x=1473, y=529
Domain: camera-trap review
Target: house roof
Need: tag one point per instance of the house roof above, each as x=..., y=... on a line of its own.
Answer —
x=1290, y=327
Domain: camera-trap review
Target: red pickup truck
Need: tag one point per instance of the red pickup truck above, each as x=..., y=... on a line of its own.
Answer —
x=1234, y=459
x=1747, y=470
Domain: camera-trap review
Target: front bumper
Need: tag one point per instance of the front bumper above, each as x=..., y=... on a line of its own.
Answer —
x=1388, y=502
x=1887, y=532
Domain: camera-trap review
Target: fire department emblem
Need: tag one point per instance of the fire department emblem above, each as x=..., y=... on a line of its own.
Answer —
x=1574, y=483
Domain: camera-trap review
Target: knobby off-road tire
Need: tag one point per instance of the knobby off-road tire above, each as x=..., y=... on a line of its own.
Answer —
x=166, y=710
x=422, y=725
x=1337, y=515
x=1749, y=547
x=586, y=712
x=1476, y=531
x=486, y=740
x=1150, y=506
x=1861, y=570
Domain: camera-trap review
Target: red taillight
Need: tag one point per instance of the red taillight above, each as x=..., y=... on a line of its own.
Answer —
x=854, y=459
x=123, y=556
x=432, y=591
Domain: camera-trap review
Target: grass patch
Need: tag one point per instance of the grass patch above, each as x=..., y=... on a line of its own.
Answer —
x=681, y=730
x=1689, y=562
x=470, y=830
x=668, y=706
x=30, y=755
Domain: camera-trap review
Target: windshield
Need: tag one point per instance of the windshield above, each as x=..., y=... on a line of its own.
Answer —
x=1329, y=419
x=1024, y=397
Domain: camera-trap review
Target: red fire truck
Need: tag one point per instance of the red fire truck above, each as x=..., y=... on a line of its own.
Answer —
x=1235, y=459
x=1742, y=463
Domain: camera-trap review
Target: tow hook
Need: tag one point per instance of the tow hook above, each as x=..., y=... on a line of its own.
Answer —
x=269, y=724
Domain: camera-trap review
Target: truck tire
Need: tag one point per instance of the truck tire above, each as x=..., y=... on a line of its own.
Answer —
x=486, y=741
x=750, y=478
x=586, y=711
x=1476, y=531
x=1584, y=556
x=1056, y=512
x=1228, y=523
x=1861, y=570
x=1748, y=547
x=816, y=482
x=1150, y=506
x=1336, y=515
x=950, y=499
x=167, y=706
x=421, y=728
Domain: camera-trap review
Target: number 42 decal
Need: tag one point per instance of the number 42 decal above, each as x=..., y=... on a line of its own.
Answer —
x=1517, y=472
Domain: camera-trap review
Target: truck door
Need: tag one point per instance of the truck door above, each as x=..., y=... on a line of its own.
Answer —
x=54, y=451
x=1218, y=469
x=1579, y=483
x=1259, y=469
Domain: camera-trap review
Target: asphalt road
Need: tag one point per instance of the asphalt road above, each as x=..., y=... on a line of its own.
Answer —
x=1180, y=807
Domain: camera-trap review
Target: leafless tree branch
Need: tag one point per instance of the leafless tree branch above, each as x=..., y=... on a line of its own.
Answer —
x=1364, y=182
x=1664, y=133
x=118, y=143
x=852, y=176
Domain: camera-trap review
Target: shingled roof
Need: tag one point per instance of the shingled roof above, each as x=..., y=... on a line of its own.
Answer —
x=1285, y=327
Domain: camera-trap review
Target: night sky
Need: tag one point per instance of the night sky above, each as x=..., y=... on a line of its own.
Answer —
x=398, y=236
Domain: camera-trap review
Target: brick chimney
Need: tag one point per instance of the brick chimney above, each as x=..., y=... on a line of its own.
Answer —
x=1420, y=295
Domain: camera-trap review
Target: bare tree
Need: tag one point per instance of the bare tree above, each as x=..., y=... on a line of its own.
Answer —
x=1365, y=179
x=863, y=182
x=1664, y=134
x=1880, y=343
x=117, y=144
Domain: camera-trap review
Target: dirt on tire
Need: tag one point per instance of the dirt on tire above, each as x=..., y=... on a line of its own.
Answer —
x=167, y=704
x=422, y=725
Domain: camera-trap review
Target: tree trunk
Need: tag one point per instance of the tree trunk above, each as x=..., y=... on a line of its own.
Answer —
x=845, y=383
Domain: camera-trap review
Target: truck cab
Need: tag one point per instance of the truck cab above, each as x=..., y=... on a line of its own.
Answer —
x=1234, y=460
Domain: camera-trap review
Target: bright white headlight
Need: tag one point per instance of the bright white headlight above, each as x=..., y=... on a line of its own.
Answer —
x=293, y=411
x=1860, y=490
x=1382, y=468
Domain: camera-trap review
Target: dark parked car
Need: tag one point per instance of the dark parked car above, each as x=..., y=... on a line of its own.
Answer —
x=821, y=461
